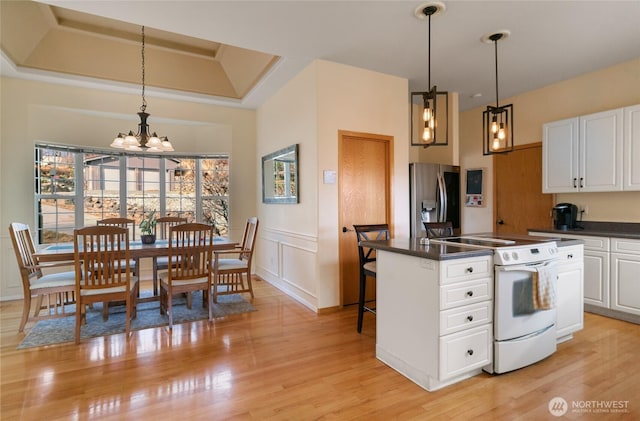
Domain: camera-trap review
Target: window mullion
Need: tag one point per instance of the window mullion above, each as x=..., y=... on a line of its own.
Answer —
x=123, y=186
x=78, y=162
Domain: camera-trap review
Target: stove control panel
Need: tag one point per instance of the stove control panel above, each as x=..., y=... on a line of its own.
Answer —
x=518, y=255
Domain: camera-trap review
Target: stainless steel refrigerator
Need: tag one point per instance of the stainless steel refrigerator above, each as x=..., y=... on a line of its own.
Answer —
x=435, y=196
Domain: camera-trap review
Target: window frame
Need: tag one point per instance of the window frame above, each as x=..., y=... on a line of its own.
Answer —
x=123, y=158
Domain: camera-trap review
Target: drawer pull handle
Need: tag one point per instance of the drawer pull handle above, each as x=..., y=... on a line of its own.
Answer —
x=569, y=256
x=470, y=318
x=470, y=351
x=470, y=269
x=469, y=293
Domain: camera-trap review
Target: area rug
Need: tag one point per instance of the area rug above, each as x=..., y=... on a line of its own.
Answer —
x=54, y=331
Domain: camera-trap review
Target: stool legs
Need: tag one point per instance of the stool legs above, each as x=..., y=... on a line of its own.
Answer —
x=363, y=285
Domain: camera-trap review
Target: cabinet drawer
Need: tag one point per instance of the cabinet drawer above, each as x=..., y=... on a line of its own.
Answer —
x=570, y=254
x=466, y=269
x=623, y=245
x=463, y=293
x=460, y=318
x=465, y=351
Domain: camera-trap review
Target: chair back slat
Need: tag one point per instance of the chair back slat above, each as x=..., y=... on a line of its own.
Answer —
x=127, y=223
x=438, y=229
x=163, y=224
x=191, y=247
x=24, y=249
x=371, y=232
x=249, y=238
x=102, y=257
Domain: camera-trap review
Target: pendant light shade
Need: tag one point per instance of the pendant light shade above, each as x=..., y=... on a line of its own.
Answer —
x=497, y=125
x=429, y=110
x=143, y=140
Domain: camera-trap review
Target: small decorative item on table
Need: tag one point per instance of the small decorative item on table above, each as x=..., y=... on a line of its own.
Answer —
x=147, y=228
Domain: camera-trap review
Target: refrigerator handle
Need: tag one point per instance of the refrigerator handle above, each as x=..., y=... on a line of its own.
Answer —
x=445, y=202
x=443, y=199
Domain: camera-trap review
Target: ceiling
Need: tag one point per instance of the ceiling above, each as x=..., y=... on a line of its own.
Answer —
x=549, y=41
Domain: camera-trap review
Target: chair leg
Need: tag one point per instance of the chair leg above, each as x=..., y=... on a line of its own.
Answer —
x=249, y=283
x=36, y=311
x=170, y=308
x=155, y=276
x=79, y=316
x=105, y=311
x=363, y=284
x=26, y=307
x=209, y=301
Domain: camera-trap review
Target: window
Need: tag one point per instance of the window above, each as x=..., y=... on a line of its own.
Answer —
x=112, y=184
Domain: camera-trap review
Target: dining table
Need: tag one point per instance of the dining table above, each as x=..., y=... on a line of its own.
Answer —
x=63, y=252
x=60, y=252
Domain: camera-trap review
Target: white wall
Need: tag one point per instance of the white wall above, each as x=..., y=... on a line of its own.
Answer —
x=298, y=248
x=37, y=111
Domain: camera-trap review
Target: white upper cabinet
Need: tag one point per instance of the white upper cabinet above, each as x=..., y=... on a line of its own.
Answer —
x=583, y=153
x=560, y=156
x=600, y=149
x=632, y=148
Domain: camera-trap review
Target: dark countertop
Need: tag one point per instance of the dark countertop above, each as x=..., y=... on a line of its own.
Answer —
x=433, y=251
x=599, y=229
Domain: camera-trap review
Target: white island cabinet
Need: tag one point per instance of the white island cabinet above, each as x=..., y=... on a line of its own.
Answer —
x=434, y=317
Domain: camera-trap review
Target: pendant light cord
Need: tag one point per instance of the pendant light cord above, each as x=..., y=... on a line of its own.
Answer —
x=495, y=43
x=429, y=56
x=143, y=107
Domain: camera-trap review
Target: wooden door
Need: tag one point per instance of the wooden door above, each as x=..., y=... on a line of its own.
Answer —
x=519, y=201
x=364, y=198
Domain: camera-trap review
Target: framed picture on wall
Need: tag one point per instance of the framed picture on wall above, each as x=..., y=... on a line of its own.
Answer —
x=475, y=187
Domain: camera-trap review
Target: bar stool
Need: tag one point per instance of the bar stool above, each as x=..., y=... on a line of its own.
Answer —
x=367, y=258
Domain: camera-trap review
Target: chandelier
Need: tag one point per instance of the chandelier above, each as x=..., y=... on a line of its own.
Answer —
x=497, y=121
x=143, y=140
x=429, y=110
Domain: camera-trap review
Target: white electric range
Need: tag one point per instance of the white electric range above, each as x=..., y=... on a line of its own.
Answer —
x=524, y=331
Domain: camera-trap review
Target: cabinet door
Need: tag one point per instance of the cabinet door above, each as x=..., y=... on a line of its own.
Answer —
x=596, y=278
x=600, y=150
x=560, y=156
x=625, y=283
x=569, y=299
x=631, y=167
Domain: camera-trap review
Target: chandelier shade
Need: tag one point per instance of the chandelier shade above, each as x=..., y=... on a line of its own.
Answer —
x=497, y=121
x=143, y=140
x=429, y=109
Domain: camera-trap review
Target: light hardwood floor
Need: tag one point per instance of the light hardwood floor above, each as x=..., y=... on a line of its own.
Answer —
x=283, y=362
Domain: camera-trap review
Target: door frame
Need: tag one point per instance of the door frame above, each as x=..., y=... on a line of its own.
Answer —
x=389, y=141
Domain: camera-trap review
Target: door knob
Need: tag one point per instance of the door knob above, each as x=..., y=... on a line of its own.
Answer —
x=345, y=229
x=500, y=222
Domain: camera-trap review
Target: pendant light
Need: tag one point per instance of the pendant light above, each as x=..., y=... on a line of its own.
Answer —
x=143, y=140
x=497, y=121
x=429, y=119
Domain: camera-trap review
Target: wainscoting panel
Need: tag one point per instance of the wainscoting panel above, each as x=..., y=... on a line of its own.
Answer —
x=289, y=261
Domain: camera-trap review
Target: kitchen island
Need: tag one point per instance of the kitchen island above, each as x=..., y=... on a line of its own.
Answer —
x=434, y=310
x=436, y=319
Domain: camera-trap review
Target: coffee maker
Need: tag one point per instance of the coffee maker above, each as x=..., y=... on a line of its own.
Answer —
x=565, y=216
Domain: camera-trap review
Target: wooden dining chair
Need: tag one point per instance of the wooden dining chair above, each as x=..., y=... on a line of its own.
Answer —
x=130, y=225
x=438, y=229
x=57, y=288
x=161, y=231
x=102, y=271
x=367, y=261
x=229, y=272
x=191, y=248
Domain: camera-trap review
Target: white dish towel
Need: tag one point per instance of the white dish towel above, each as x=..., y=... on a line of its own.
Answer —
x=544, y=288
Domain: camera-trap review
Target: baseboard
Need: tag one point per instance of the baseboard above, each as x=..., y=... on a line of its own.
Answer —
x=614, y=314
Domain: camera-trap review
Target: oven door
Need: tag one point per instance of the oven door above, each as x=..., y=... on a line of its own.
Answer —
x=515, y=315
